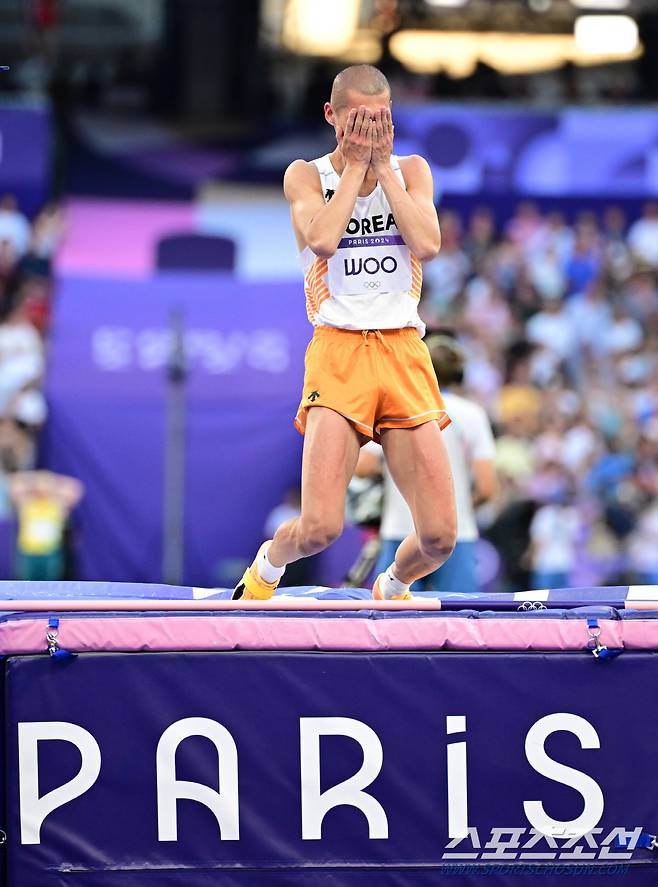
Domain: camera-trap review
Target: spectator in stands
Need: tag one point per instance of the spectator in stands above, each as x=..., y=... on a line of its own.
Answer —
x=17, y=447
x=554, y=236
x=481, y=237
x=590, y=316
x=21, y=369
x=583, y=263
x=552, y=329
x=526, y=223
x=471, y=451
x=14, y=226
x=618, y=257
x=448, y=273
x=623, y=333
x=643, y=235
x=9, y=277
x=553, y=540
x=43, y=502
x=46, y=236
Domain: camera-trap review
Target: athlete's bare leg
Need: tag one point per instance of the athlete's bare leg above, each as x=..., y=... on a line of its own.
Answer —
x=331, y=451
x=418, y=462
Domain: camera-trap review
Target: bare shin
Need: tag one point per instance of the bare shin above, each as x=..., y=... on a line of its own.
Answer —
x=418, y=462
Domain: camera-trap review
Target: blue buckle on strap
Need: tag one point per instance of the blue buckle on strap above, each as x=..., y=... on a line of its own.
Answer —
x=54, y=650
x=599, y=650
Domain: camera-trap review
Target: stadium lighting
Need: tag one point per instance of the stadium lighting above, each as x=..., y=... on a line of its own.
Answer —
x=458, y=52
x=308, y=28
x=601, y=4
x=610, y=34
x=426, y=52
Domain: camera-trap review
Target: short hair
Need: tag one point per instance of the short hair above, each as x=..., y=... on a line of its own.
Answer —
x=448, y=358
x=365, y=79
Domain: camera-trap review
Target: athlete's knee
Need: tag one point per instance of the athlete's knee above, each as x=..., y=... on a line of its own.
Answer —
x=317, y=534
x=438, y=543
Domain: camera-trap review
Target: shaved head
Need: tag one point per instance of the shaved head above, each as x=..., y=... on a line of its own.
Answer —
x=364, y=79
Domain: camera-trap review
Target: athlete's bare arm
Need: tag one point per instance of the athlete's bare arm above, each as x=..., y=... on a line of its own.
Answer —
x=321, y=225
x=413, y=207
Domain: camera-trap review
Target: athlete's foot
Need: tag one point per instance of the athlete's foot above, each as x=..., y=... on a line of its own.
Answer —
x=378, y=594
x=252, y=587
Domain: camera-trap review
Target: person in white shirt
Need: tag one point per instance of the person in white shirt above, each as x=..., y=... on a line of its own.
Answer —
x=552, y=328
x=22, y=364
x=14, y=226
x=553, y=541
x=643, y=235
x=471, y=452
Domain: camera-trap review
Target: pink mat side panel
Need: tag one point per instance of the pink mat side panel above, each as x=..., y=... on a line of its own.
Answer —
x=152, y=633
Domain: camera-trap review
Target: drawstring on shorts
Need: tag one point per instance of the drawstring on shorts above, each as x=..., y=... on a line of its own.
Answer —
x=378, y=335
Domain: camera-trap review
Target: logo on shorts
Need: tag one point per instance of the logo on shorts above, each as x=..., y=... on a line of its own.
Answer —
x=313, y=396
x=328, y=194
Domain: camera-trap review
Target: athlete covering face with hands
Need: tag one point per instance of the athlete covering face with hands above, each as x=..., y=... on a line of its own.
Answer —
x=364, y=220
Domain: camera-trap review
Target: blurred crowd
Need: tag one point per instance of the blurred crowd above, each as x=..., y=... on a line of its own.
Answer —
x=560, y=324
x=26, y=253
x=41, y=501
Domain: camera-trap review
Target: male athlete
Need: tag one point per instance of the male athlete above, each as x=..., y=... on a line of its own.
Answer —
x=364, y=220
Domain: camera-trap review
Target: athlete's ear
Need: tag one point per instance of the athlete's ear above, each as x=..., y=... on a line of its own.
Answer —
x=329, y=115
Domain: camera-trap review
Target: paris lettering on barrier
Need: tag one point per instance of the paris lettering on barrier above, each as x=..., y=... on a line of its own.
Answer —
x=315, y=802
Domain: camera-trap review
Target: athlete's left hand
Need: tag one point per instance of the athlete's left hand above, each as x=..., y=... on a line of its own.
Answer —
x=382, y=138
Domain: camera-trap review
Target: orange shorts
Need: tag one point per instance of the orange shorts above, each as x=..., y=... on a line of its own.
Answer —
x=374, y=378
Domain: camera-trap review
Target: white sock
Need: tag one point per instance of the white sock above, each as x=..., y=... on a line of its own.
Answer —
x=390, y=585
x=266, y=570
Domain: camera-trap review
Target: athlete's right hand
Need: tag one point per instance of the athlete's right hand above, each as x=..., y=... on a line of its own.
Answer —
x=356, y=140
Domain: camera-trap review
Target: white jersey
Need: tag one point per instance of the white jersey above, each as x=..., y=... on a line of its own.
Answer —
x=372, y=281
x=468, y=439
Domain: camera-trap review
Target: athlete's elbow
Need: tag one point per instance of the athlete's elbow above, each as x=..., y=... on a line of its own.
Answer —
x=320, y=243
x=322, y=248
x=429, y=250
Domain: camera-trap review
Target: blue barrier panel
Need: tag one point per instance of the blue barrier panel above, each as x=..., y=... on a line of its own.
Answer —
x=284, y=767
x=183, y=764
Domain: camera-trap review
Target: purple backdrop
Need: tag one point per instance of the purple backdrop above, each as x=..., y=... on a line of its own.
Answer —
x=497, y=154
x=25, y=154
x=575, y=151
x=109, y=834
x=107, y=390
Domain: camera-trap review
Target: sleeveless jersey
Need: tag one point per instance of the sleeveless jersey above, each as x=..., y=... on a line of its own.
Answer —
x=372, y=281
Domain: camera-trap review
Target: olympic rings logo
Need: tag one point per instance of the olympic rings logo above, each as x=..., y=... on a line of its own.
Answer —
x=531, y=605
x=371, y=284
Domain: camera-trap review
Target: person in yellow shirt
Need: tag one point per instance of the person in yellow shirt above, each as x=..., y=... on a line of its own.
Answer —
x=43, y=502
